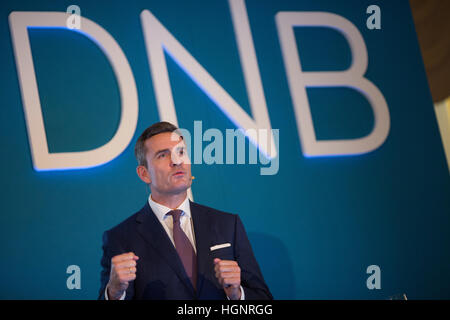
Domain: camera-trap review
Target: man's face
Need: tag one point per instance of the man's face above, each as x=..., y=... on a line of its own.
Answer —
x=168, y=164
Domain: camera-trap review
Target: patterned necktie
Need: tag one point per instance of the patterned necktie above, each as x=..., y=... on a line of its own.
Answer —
x=184, y=247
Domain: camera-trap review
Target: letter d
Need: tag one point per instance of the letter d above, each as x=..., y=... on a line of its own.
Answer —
x=42, y=158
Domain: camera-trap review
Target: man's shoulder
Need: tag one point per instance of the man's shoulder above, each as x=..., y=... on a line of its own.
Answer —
x=128, y=223
x=213, y=213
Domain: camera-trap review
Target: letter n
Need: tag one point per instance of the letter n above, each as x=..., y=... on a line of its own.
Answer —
x=158, y=39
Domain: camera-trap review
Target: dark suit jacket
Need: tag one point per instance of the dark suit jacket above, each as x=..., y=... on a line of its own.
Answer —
x=160, y=273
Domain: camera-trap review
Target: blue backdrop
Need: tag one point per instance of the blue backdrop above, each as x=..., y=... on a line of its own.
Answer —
x=315, y=226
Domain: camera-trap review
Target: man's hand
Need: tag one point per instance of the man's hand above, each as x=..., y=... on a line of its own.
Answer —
x=229, y=275
x=123, y=270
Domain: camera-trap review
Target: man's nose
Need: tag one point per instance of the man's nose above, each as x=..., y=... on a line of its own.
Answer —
x=175, y=160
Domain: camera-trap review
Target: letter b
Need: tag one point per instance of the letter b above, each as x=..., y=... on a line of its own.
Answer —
x=351, y=78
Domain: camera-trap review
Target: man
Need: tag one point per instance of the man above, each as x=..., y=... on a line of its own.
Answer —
x=174, y=248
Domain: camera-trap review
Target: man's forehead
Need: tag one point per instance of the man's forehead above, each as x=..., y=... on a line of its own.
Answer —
x=163, y=141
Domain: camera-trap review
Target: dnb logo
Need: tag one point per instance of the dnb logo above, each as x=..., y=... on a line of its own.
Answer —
x=159, y=40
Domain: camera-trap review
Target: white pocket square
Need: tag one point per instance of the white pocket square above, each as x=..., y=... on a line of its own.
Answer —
x=220, y=246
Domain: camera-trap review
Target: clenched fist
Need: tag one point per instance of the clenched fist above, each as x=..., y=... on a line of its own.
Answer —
x=123, y=270
x=228, y=274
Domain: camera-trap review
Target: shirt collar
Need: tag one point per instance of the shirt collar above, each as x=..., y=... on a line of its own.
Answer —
x=161, y=210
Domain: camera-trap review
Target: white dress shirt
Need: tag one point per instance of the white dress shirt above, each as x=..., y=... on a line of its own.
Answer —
x=166, y=220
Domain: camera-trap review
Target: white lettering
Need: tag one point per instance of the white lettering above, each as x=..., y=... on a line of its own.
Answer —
x=350, y=78
x=42, y=158
x=158, y=39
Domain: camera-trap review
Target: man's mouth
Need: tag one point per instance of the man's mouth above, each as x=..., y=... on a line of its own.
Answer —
x=179, y=173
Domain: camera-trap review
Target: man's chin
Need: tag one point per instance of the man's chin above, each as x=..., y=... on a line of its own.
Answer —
x=179, y=188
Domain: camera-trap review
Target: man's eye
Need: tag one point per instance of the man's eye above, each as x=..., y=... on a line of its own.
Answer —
x=161, y=155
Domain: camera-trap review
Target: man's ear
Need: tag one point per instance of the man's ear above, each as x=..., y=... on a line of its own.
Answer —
x=143, y=174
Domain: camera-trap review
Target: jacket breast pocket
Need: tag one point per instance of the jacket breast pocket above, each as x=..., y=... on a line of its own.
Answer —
x=226, y=253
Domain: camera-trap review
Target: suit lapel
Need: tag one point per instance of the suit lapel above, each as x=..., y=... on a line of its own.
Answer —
x=154, y=234
x=203, y=232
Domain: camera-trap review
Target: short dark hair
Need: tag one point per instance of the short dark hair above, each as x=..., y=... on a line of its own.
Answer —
x=156, y=128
